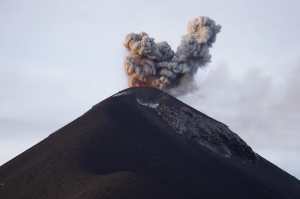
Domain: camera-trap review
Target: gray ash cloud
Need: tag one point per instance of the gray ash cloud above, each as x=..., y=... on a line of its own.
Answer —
x=156, y=65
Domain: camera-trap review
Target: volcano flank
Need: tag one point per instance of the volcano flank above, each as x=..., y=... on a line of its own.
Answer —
x=143, y=143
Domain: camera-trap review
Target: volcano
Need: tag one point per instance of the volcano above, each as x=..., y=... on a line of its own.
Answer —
x=143, y=143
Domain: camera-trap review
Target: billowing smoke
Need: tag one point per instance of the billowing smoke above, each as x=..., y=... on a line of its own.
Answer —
x=156, y=65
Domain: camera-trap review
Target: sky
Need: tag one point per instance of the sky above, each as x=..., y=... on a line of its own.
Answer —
x=58, y=58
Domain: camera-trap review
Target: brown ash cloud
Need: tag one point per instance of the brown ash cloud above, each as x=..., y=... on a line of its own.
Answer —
x=155, y=64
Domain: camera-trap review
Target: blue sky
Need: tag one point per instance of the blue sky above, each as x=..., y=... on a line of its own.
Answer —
x=58, y=58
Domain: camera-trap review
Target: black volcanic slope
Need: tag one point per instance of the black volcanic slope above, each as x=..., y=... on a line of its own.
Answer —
x=142, y=143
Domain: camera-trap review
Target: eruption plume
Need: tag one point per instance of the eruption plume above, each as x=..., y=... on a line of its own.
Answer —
x=156, y=65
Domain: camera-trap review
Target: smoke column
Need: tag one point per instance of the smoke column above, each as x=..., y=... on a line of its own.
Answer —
x=156, y=65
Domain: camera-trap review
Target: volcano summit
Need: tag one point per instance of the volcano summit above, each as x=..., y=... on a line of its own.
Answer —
x=143, y=143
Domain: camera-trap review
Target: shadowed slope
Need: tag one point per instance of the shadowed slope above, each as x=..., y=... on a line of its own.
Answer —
x=143, y=143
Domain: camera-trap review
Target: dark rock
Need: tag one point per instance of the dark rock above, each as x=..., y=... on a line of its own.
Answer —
x=143, y=143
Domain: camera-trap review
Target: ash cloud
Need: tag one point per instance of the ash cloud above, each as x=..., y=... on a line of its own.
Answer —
x=156, y=65
x=262, y=106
